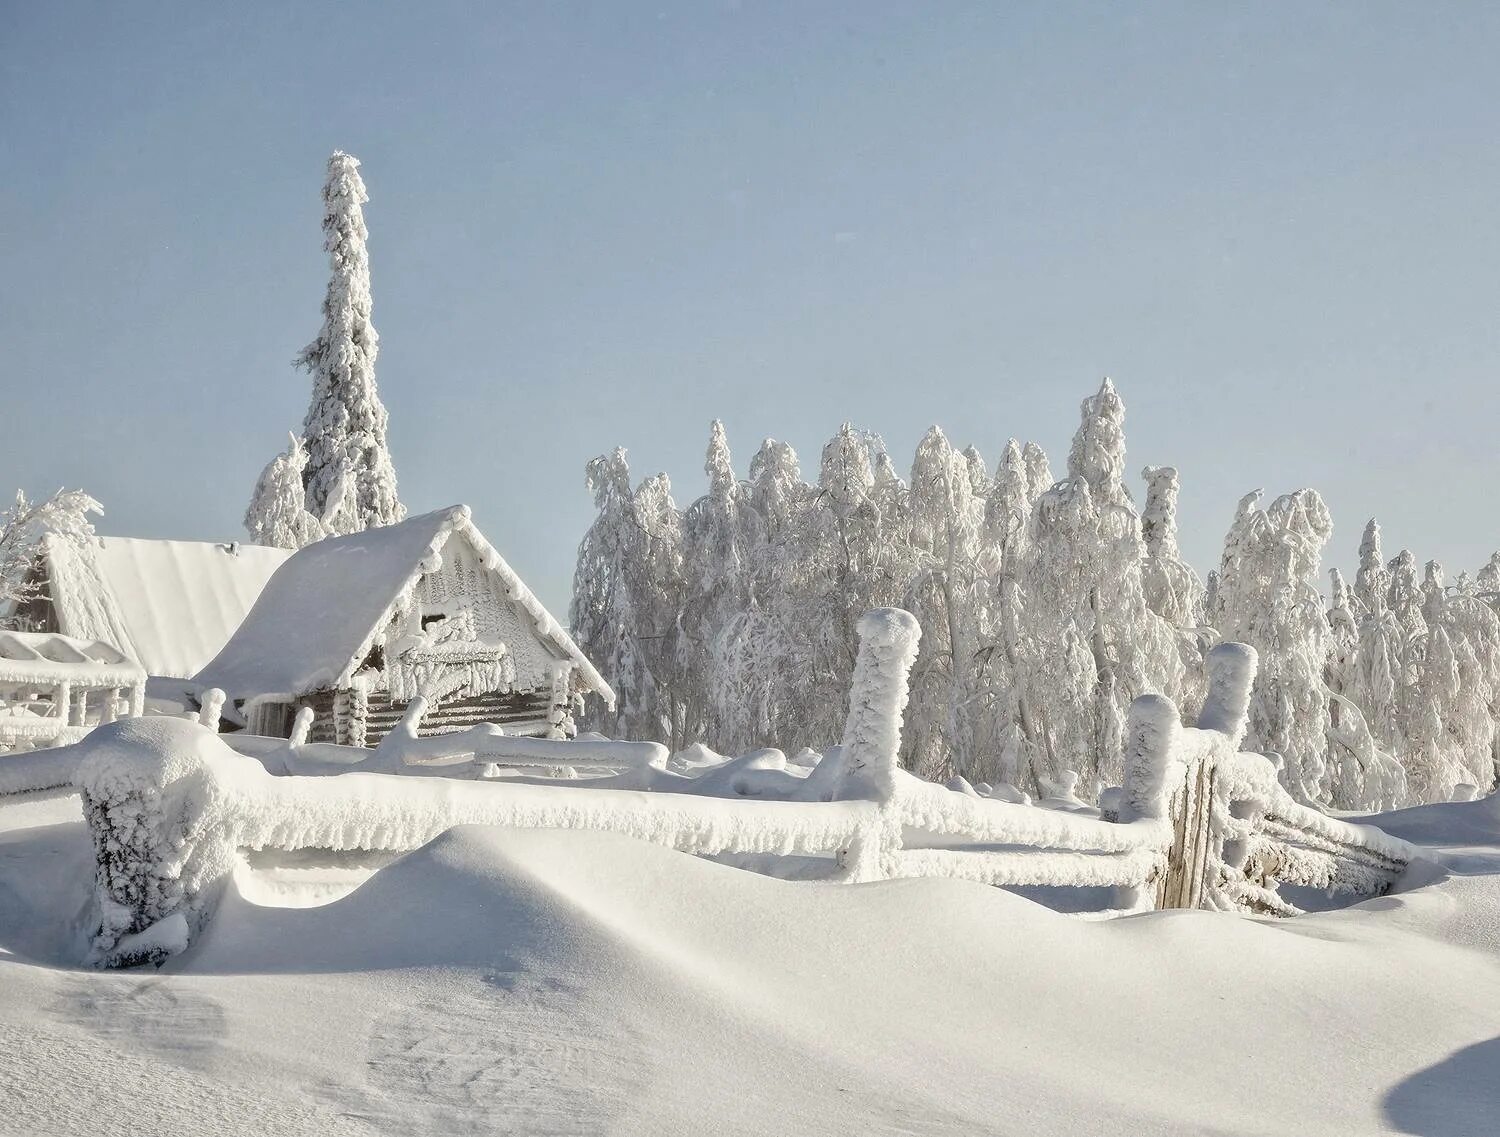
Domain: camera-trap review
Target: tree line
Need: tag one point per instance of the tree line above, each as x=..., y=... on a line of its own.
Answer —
x=1046, y=606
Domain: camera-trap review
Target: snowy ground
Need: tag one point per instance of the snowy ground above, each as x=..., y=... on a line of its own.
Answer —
x=568, y=982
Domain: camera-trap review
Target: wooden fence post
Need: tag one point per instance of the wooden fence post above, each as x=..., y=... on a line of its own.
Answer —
x=212, y=709
x=888, y=639
x=1231, y=675
x=1152, y=732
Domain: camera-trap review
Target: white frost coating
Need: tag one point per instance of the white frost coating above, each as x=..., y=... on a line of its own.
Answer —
x=213, y=707
x=45, y=769
x=301, y=726
x=1011, y=867
x=929, y=810
x=1152, y=732
x=157, y=817
x=888, y=639
x=1231, y=677
x=487, y=743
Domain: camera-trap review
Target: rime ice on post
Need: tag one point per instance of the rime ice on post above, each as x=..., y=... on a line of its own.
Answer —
x=161, y=844
x=1150, y=735
x=302, y=726
x=888, y=640
x=1231, y=675
x=213, y=708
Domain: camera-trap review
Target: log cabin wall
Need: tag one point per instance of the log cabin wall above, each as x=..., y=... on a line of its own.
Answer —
x=511, y=709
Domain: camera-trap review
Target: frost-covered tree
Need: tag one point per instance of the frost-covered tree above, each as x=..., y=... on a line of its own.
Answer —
x=1038, y=470
x=1267, y=597
x=979, y=476
x=1009, y=722
x=348, y=459
x=1371, y=581
x=661, y=710
x=64, y=515
x=278, y=510
x=947, y=593
x=715, y=588
x=1092, y=642
x=1364, y=775
x=603, y=613
x=757, y=649
x=1487, y=580
x=1174, y=591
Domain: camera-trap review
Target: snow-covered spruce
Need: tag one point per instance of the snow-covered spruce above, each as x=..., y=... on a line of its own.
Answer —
x=349, y=478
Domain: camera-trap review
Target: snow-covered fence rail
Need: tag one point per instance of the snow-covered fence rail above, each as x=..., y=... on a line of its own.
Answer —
x=170, y=805
x=1237, y=834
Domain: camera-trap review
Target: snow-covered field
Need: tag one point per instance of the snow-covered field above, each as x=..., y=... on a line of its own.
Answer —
x=514, y=981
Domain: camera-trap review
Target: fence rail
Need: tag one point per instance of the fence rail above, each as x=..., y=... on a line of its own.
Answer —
x=169, y=805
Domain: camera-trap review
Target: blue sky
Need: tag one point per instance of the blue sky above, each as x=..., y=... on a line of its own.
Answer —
x=1274, y=226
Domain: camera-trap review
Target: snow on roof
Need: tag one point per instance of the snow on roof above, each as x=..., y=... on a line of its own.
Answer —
x=170, y=605
x=319, y=615
x=49, y=657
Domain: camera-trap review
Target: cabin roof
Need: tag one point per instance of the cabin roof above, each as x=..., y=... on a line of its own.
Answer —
x=50, y=657
x=169, y=605
x=319, y=615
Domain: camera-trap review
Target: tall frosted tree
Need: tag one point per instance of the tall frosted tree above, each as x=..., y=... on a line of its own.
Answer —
x=1093, y=642
x=663, y=710
x=759, y=657
x=714, y=587
x=948, y=594
x=1004, y=550
x=1268, y=597
x=349, y=478
x=1363, y=774
x=1173, y=589
x=603, y=614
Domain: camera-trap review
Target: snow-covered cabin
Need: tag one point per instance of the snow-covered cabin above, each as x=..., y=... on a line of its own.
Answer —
x=355, y=627
x=168, y=605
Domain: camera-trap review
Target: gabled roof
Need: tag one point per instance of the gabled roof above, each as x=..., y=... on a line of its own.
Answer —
x=169, y=605
x=49, y=657
x=319, y=615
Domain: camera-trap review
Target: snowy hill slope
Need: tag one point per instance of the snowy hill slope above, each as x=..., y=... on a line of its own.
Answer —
x=566, y=982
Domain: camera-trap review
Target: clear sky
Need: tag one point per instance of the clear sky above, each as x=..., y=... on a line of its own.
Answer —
x=595, y=225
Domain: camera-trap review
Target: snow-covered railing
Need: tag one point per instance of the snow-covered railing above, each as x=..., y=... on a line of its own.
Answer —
x=170, y=805
x=1237, y=834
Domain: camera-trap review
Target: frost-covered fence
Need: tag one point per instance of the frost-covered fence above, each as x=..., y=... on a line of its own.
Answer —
x=170, y=805
x=1237, y=834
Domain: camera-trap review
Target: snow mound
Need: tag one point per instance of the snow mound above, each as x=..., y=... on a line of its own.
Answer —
x=536, y=981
